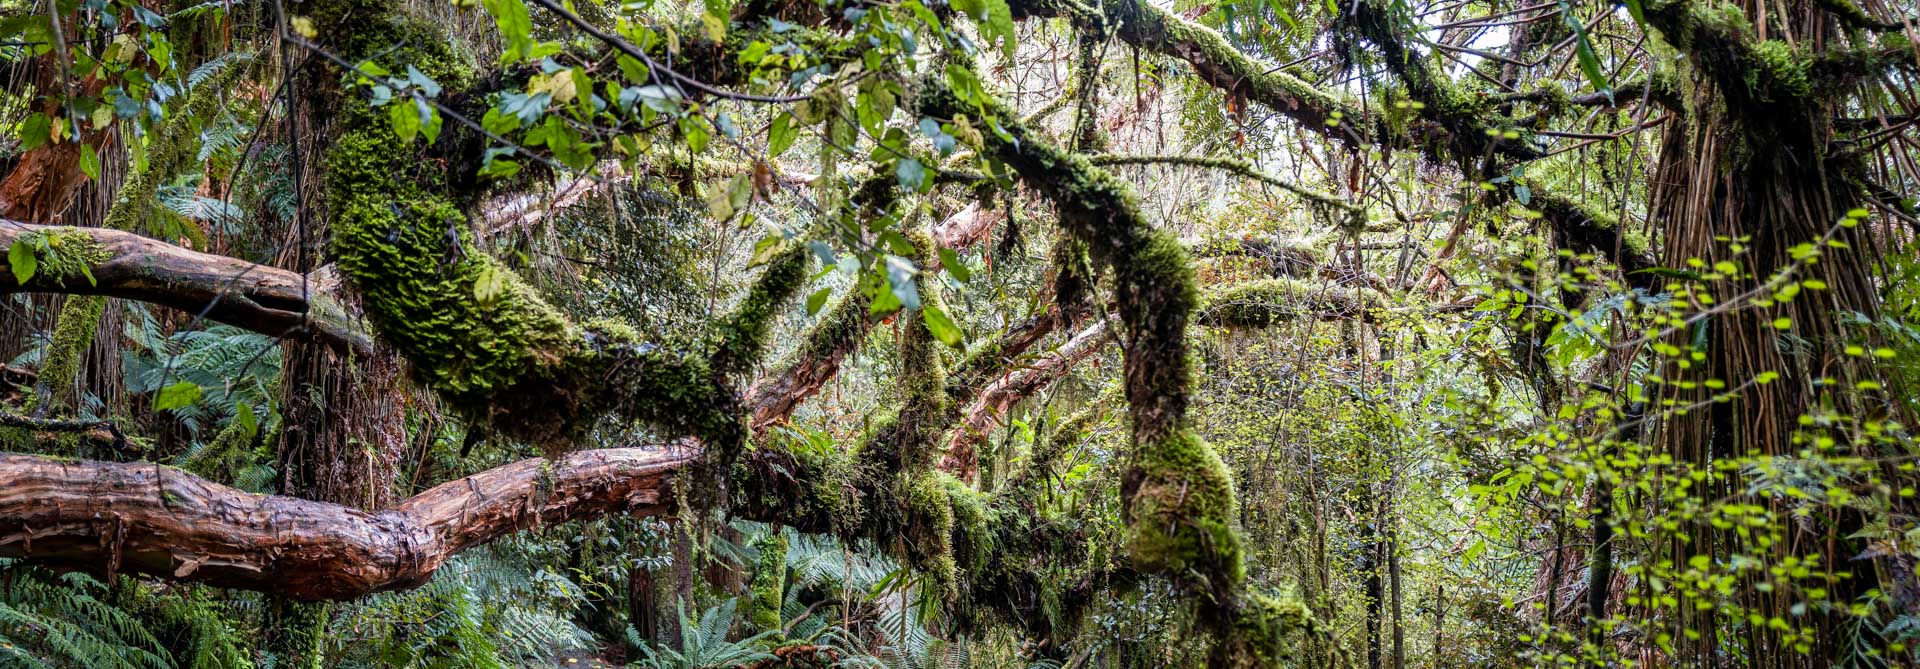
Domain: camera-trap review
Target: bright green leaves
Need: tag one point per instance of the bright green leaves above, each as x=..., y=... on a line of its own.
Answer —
x=89, y=162
x=817, y=300
x=713, y=19
x=781, y=135
x=724, y=202
x=954, y=265
x=410, y=114
x=405, y=123
x=912, y=175
x=995, y=21
x=1583, y=50
x=176, y=396
x=22, y=260
x=516, y=30
x=34, y=131
x=940, y=326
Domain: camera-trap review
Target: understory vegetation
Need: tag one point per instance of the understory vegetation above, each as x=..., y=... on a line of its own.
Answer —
x=1054, y=334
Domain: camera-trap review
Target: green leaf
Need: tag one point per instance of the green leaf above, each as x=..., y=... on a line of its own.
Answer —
x=900, y=274
x=1473, y=551
x=405, y=122
x=1638, y=13
x=177, y=395
x=817, y=299
x=243, y=416
x=951, y=261
x=998, y=26
x=781, y=135
x=21, y=259
x=429, y=119
x=33, y=132
x=912, y=175
x=940, y=326
x=1589, y=61
x=635, y=71
x=89, y=162
x=516, y=28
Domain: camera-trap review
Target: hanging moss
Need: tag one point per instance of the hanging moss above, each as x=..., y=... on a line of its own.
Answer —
x=769, y=585
x=741, y=338
x=60, y=364
x=1182, y=513
x=928, y=528
x=1180, y=510
x=298, y=632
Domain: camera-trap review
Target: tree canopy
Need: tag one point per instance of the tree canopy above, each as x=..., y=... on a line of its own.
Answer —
x=961, y=332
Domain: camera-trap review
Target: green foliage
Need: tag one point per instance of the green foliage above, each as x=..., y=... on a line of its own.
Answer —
x=704, y=643
x=49, y=620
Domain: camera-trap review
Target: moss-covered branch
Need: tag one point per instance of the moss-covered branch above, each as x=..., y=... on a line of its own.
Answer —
x=1235, y=166
x=1269, y=302
x=1178, y=498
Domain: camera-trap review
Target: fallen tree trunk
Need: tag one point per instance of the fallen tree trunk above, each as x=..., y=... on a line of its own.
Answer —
x=99, y=261
x=151, y=519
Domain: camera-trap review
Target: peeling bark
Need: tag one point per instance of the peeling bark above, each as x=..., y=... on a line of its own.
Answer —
x=150, y=519
x=227, y=290
x=993, y=401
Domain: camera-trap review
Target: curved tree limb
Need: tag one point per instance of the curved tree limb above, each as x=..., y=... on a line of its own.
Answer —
x=151, y=519
x=124, y=265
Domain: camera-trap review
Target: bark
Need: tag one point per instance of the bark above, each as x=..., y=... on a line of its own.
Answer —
x=998, y=397
x=151, y=519
x=226, y=290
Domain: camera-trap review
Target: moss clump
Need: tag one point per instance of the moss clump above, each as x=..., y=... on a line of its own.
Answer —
x=62, y=254
x=929, y=528
x=473, y=330
x=769, y=585
x=1780, y=73
x=1270, y=302
x=1227, y=67
x=740, y=340
x=1261, y=627
x=1181, y=514
x=614, y=331
x=72, y=336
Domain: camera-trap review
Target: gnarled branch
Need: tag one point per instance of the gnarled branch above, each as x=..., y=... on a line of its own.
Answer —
x=227, y=290
x=151, y=519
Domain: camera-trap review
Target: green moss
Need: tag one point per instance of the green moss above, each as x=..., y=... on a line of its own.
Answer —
x=1229, y=68
x=298, y=633
x=769, y=585
x=472, y=329
x=740, y=339
x=614, y=330
x=1181, y=517
x=72, y=335
x=1261, y=629
x=1178, y=494
x=1268, y=302
x=1780, y=73
x=973, y=525
x=929, y=529
x=62, y=254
